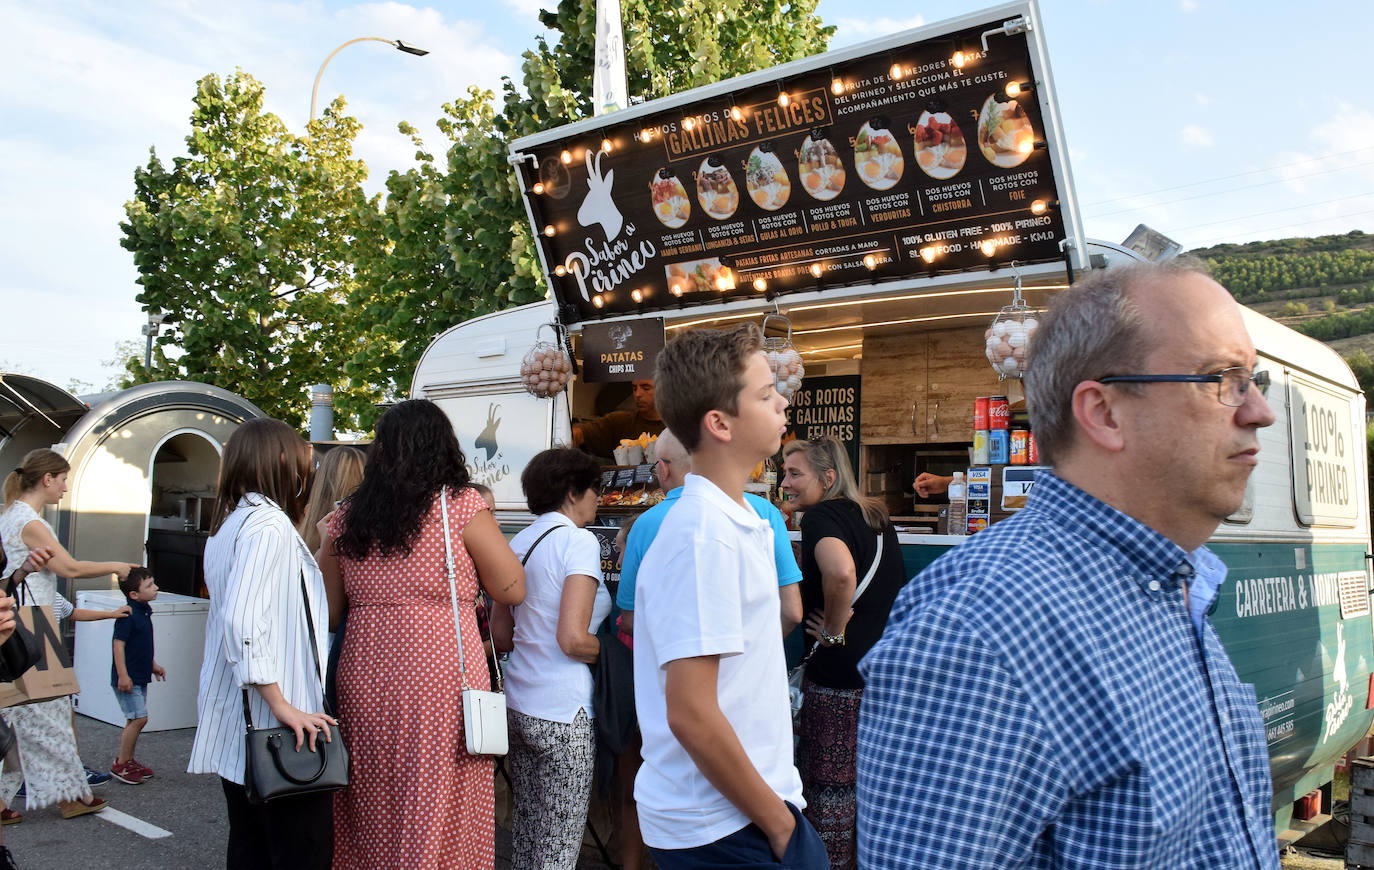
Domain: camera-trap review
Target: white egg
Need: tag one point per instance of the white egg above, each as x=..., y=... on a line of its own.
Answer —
x=1000, y=327
x=1030, y=323
x=1017, y=339
x=993, y=342
x=1010, y=365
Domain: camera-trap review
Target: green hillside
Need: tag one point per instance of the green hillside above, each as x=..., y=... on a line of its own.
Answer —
x=1321, y=286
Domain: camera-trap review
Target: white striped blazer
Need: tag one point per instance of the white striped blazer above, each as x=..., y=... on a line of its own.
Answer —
x=256, y=632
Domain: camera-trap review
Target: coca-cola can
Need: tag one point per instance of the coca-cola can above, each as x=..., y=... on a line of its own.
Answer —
x=980, y=446
x=980, y=413
x=1032, y=450
x=1020, y=447
x=999, y=412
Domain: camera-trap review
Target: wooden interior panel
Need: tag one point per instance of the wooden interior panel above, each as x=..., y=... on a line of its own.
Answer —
x=957, y=373
x=894, y=380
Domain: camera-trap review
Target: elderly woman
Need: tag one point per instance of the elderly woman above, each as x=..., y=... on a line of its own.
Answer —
x=265, y=593
x=548, y=683
x=846, y=539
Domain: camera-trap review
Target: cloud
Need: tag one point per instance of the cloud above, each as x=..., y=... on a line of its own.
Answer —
x=851, y=30
x=1187, y=5
x=1197, y=137
x=529, y=8
x=1202, y=99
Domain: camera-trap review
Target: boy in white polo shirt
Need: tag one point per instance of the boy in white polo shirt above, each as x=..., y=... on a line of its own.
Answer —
x=718, y=787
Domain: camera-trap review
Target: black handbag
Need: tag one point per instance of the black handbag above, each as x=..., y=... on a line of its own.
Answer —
x=275, y=769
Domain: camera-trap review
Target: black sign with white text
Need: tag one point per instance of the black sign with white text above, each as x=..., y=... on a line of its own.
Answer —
x=623, y=351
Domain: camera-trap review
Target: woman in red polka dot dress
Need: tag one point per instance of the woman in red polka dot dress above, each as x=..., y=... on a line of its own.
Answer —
x=416, y=799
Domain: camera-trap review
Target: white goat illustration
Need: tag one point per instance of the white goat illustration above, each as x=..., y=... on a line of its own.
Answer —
x=598, y=208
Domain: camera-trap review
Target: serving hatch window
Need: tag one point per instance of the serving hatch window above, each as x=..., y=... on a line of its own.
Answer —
x=1323, y=445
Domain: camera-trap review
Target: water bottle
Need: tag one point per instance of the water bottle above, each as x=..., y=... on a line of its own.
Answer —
x=958, y=505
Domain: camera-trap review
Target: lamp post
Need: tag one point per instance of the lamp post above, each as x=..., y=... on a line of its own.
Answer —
x=395, y=43
x=150, y=329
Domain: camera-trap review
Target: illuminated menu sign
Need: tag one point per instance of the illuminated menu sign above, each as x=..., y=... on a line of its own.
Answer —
x=923, y=159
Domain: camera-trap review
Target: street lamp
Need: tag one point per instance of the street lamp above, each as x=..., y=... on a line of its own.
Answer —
x=395, y=43
x=150, y=329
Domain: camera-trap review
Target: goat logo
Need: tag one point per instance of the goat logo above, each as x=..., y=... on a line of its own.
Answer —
x=487, y=440
x=598, y=207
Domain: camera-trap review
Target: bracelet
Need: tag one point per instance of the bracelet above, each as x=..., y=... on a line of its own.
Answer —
x=832, y=639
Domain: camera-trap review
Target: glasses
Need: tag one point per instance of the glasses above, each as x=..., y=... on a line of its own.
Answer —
x=666, y=462
x=1232, y=383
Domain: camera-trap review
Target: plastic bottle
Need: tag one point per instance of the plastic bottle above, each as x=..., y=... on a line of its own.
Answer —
x=958, y=505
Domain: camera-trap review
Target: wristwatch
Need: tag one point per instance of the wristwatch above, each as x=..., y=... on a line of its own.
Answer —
x=832, y=639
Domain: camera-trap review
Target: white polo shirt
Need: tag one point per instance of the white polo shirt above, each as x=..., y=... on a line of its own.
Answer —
x=541, y=680
x=708, y=586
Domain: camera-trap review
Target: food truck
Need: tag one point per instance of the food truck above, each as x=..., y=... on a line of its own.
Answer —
x=895, y=214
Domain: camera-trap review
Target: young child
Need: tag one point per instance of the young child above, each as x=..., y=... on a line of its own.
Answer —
x=717, y=786
x=133, y=669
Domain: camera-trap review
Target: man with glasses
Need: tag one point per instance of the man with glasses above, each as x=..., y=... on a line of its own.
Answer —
x=1051, y=693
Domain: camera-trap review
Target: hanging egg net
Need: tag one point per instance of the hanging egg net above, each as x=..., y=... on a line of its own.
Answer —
x=546, y=367
x=1008, y=338
x=783, y=358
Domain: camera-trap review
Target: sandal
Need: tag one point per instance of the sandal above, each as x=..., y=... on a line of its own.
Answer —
x=10, y=817
x=72, y=809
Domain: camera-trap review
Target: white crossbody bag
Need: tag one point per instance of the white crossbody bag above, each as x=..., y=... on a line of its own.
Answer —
x=484, y=713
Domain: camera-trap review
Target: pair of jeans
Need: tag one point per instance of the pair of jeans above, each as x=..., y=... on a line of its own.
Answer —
x=290, y=833
x=748, y=848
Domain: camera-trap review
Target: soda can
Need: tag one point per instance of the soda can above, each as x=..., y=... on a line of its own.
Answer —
x=1032, y=450
x=980, y=447
x=999, y=447
x=980, y=413
x=999, y=412
x=1020, y=447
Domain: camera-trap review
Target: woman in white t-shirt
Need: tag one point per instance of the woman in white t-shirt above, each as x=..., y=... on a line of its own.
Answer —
x=548, y=683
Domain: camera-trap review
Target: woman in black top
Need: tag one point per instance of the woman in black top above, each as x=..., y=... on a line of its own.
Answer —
x=841, y=535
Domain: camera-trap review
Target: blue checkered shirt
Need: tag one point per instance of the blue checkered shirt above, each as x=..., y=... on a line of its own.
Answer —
x=1041, y=699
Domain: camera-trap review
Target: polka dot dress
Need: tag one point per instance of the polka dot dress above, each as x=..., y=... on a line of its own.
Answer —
x=416, y=799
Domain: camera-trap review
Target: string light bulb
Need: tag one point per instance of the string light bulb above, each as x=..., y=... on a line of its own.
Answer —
x=783, y=99
x=815, y=270
x=837, y=86
x=760, y=284
x=606, y=145
x=928, y=254
x=1016, y=89
x=598, y=301
x=958, y=59
x=637, y=295
x=736, y=114
x=896, y=71
x=560, y=270
x=688, y=123
x=870, y=262
x=548, y=230
x=989, y=247
x=566, y=157
x=1039, y=207
x=538, y=188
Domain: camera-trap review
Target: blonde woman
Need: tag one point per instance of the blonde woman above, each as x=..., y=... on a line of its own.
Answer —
x=841, y=531
x=340, y=472
x=52, y=771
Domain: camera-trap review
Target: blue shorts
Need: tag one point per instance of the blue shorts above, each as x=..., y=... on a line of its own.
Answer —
x=135, y=703
x=748, y=849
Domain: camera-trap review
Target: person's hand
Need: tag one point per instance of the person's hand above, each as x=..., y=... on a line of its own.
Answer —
x=37, y=558
x=778, y=839
x=927, y=484
x=124, y=571
x=304, y=724
x=159, y=671
x=815, y=626
x=123, y=611
x=6, y=617
x=125, y=684
x=323, y=525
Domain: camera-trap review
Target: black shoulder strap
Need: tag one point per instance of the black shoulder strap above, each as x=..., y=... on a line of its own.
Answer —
x=530, y=551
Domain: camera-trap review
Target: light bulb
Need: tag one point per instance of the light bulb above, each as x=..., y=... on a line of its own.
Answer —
x=538, y=188
x=959, y=59
x=989, y=247
x=1039, y=207
x=735, y=113
x=837, y=86
x=688, y=123
x=637, y=295
x=560, y=271
x=928, y=254
x=606, y=145
x=548, y=230
x=896, y=71
x=676, y=288
x=783, y=99
x=815, y=270
x=760, y=284
x=870, y=262
x=598, y=301
x=566, y=157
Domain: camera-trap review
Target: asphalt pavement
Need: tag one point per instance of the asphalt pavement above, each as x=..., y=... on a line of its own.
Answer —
x=173, y=821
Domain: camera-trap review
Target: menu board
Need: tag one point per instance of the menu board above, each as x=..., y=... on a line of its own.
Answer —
x=921, y=159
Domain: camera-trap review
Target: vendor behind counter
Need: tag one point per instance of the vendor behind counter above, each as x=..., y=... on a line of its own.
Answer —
x=601, y=436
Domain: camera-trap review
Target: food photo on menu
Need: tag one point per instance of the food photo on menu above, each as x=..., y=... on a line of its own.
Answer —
x=818, y=163
x=877, y=156
x=1005, y=135
x=671, y=204
x=766, y=179
x=699, y=276
x=716, y=190
x=940, y=147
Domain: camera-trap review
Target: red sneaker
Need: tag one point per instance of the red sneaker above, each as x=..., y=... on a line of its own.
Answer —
x=141, y=768
x=126, y=772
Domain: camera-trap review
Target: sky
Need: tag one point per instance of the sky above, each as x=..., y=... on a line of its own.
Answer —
x=1210, y=121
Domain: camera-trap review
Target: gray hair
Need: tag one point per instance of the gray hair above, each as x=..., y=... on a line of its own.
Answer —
x=1092, y=330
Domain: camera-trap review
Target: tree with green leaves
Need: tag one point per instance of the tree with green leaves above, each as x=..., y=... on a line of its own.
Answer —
x=243, y=246
x=449, y=244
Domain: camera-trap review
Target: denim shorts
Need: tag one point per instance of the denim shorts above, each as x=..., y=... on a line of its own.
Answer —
x=135, y=703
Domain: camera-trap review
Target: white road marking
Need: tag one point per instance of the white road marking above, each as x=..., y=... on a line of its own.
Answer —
x=138, y=826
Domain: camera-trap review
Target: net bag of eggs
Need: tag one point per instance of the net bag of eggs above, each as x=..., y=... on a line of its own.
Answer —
x=545, y=370
x=1008, y=339
x=783, y=358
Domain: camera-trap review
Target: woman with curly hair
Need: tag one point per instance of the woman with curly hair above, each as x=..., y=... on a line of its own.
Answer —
x=548, y=683
x=416, y=798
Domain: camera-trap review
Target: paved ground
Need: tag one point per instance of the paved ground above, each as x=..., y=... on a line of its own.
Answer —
x=189, y=809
